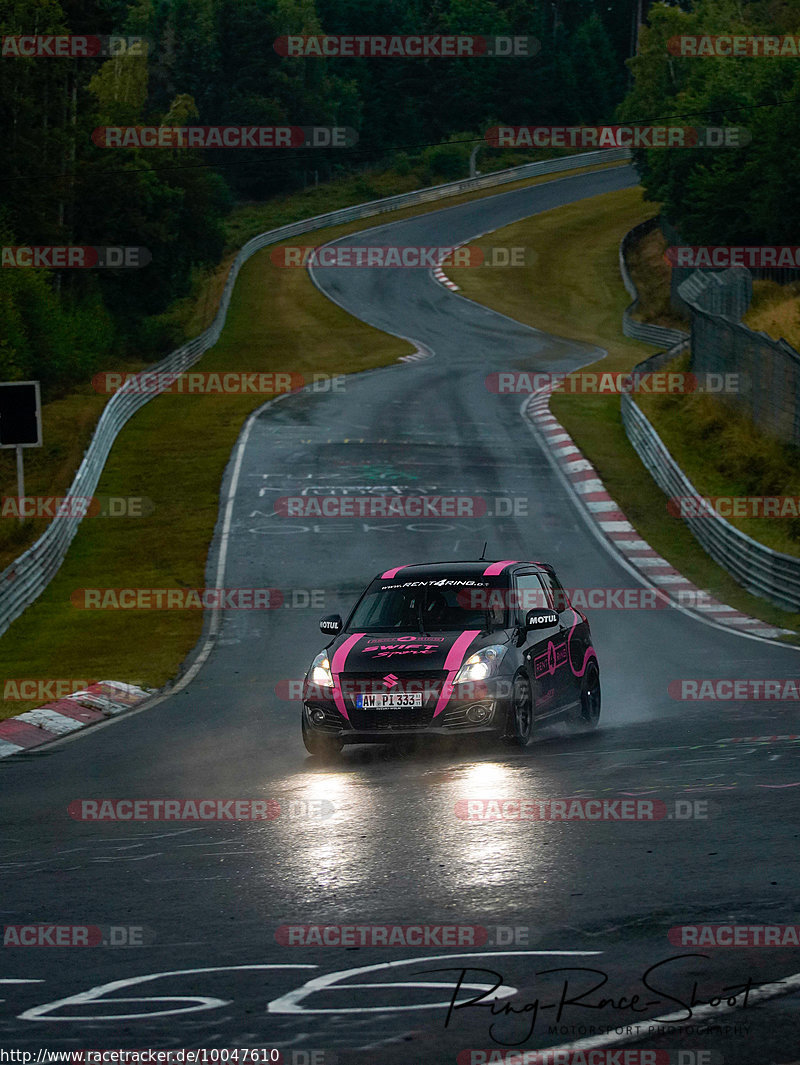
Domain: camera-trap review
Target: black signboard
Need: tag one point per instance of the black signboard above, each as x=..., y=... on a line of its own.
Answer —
x=20, y=414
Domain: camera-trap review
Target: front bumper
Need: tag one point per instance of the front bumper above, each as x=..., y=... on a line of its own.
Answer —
x=321, y=715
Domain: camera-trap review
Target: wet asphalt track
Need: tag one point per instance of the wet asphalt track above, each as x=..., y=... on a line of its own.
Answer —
x=212, y=896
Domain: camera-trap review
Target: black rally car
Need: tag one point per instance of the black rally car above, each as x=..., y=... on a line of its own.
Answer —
x=454, y=647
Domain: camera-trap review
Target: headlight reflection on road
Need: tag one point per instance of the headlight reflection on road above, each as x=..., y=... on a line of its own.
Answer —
x=486, y=774
x=495, y=854
x=334, y=848
x=374, y=810
x=332, y=786
x=488, y=857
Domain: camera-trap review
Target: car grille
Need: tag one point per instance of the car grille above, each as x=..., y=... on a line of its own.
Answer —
x=395, y=720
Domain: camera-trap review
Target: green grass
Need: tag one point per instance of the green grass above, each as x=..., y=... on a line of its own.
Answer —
x=571, y=287
x=650, y=273
x=775, y=310
x=173, y=452
x=724, y=454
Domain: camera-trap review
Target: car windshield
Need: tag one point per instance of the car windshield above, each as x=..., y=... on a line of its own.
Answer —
x=430, y=605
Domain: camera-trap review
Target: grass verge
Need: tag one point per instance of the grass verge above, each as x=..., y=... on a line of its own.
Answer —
x=723, y=454
x=775, y=310
x=571, y=287
x=651, y=272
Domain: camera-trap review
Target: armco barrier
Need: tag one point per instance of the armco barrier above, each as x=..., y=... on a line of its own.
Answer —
x=721, y=343
x=27, y=577
x=716, y=303
x=762, y=571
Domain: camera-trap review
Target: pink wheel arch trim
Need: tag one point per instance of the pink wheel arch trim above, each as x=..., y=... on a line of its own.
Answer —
x=337, y=665
x=590, y=652
x=455, y=656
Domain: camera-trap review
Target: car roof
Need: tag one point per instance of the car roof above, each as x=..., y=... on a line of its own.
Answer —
x=466, y=568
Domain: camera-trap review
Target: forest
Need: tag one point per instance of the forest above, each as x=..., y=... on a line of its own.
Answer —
x=215, y=63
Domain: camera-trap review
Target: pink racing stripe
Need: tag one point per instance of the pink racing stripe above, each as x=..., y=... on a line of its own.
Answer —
x=337, y=665
x=498, y=567
x=387, y=576
x=455, y=657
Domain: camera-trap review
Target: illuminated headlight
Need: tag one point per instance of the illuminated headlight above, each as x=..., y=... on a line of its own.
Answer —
x=482, y=664
x=320, y=672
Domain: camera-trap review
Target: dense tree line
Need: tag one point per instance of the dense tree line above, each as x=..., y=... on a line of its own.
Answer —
x=744, y=195
x=212, y=62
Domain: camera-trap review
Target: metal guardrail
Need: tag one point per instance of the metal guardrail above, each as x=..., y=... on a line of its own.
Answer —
x=727, y=293
x=770, y=574
x=768, y=369
x=26, y=578
x=759, y=569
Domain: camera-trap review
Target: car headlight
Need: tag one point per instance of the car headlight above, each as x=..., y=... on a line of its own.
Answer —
x=320, y=671
x=484, y=663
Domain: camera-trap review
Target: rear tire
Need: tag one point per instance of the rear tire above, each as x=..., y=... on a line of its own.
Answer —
x=520, y=714
x=321, y=745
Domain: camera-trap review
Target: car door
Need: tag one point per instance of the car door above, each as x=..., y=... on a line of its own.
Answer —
x=540, y=648
x=559, y=600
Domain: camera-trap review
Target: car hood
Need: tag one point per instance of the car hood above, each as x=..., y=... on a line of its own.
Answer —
x=406, y=652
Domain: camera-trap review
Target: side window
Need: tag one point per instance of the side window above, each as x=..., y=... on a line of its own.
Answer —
x=531, y=595
x=560, y=599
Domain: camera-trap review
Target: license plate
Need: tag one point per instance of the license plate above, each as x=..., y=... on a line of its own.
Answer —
x=389, y=701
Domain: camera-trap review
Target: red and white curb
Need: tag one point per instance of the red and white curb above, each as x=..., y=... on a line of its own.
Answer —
x=99, y=702
x=612, y=524
x=439, y=273
x=419, y=355
x=443, y=279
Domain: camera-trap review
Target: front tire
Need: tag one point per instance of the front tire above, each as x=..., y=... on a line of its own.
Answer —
x=588, y=714
x=520, y=713
x=321, y=745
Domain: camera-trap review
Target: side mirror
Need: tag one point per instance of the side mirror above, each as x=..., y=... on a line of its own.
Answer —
x=331, y=625
x=540, y=619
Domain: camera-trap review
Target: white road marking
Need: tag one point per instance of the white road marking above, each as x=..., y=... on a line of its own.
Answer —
x=204, y=1002
x=290, y=1002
